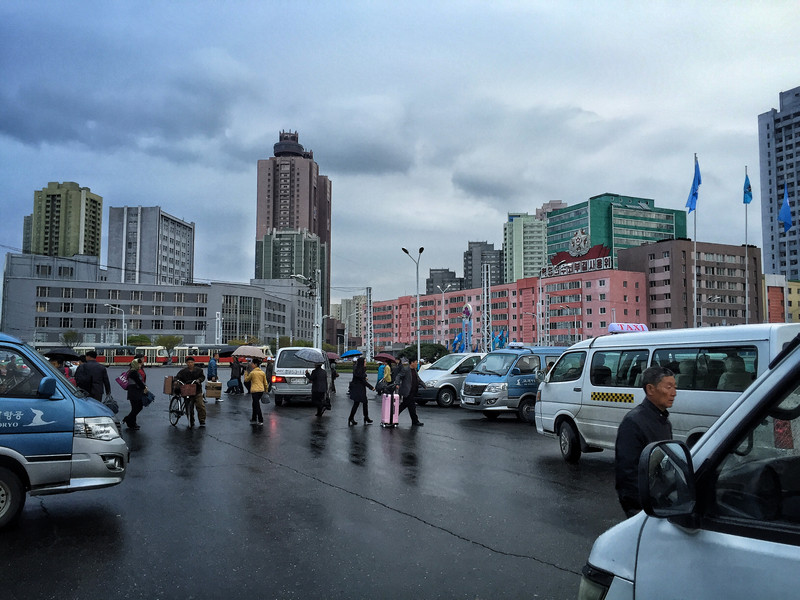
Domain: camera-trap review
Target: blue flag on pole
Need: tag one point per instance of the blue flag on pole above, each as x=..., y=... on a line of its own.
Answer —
x=785, y=216
x=748, y=191
x=691, y=202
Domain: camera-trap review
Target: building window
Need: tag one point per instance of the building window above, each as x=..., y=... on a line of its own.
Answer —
x=42, y=291
x=42, y=306
x=67, y=293
x=43, y=270
x=66, y=307
x=158, y=297
x=91, y=294
x=158, y=325
x=180, y=325
x=136, y=295
x=66, y=272
x=201, y=311
x=90, y=323
x=113, y=294
x=158, y=310
x=178, y=311
x=179, y=296
x=65, y=322
x=202, y=298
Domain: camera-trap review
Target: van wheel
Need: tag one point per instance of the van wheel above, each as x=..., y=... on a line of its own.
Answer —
x=525, y=410
x=568, y=441
x=12, y=497
x=446, y=398
x=278, y=400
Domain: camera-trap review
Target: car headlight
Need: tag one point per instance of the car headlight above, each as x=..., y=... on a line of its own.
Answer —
x=496, y=387
x=431, y=383
x=594, y=583
x=96, y=428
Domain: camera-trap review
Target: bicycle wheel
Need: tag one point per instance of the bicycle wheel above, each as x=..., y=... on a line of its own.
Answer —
x=176, y=409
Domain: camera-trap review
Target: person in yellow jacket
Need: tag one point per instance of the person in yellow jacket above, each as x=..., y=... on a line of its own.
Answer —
x=258, y=387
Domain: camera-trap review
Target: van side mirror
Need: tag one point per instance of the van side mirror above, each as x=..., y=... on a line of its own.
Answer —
x=516, y=371
x=47, y=387
x=666, y=480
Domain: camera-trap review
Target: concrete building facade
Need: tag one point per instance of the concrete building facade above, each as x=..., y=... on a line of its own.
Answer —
x=669, y=266
x=524, y=246
x=45, y=296
x=440, y=279
x=477, y=255
x=67, y=220
x=147, y=245
x=778, y=135
x=291, y=195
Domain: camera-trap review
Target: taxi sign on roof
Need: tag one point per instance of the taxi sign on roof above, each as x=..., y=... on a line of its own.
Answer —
x=626, y=327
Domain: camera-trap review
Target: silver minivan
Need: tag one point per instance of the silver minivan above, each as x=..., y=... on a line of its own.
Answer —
x=444, y=377
x=288, y=378
x=722, y=521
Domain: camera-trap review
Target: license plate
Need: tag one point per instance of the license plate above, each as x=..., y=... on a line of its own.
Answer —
x=470, y=400
x=296, y=380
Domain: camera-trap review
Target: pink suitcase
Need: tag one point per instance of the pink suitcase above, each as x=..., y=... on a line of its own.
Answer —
x=390, y=410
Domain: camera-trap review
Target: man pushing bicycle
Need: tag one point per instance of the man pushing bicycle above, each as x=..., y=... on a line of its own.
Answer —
x=192, y=374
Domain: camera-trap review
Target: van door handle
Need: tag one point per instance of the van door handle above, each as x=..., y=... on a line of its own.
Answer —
x=576, y=389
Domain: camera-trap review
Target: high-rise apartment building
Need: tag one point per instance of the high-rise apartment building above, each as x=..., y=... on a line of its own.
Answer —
x=67, y=220
x=524, y=246
x=778, y=135
x=477, y=255
x=442, y=279
x=727, y=282
x=147, y=245
x=611, y=221
x=293, y=196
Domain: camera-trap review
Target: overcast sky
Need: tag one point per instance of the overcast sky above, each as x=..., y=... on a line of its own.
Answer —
x=432, y=119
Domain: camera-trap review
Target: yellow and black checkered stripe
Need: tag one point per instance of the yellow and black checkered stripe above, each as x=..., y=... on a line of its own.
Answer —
x=612, y=397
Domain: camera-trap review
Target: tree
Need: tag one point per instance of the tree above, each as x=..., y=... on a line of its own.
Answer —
x=70, y=338
x=139, y=339
x=285, y=341
x=428, y=352
x=250, y=340
x=169, y=342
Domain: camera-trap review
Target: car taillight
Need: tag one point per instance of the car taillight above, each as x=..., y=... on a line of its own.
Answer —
x=278, y=379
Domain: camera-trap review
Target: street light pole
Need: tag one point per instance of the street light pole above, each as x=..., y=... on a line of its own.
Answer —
x=316, y=298
x=124, y=325
x=447, y=287
x=416, y=262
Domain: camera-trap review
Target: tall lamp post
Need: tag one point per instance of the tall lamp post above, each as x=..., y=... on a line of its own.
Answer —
x=416, y=262
x=447, y=287
x=316, y=299
x=124, y=325
x=347, y=329
x=574, y=322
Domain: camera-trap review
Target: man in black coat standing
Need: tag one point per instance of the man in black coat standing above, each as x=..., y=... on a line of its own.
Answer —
x=92, y=377
x=644, y=424
x=407, y=386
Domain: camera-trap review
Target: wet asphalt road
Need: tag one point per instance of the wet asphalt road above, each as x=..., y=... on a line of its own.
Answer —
x=304, y=507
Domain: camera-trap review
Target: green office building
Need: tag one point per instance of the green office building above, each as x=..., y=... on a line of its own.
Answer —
x=614, y=221
x=67, y=220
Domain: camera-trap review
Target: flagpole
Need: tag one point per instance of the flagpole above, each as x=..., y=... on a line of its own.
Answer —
x=746, y=262
x=694, y=266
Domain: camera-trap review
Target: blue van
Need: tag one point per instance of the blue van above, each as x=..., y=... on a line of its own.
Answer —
x=506, y=380
x=53, y=438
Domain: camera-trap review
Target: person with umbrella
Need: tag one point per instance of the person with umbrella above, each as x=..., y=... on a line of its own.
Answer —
x=358, y=392
x=319, y=387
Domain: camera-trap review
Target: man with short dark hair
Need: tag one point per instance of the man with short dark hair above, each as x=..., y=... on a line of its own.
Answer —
x=92, y=377
x=407, y=386
x=193, y=374
x=646, y=423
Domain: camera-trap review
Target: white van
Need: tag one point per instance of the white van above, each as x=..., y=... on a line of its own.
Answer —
x=596, y=382
x=288, y=378
x=723, y=522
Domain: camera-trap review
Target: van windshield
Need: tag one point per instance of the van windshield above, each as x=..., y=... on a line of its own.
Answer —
x=495, y=364
x=446, y=362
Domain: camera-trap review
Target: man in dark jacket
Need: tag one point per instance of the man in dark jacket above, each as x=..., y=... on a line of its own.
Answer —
x=193, y=374
x=319, y=388
x=407, y=386
x=92, y=377
x=644, y=424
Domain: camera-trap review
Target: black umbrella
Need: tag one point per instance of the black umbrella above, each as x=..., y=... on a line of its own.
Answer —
x=226, y=351
x=61, y=354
